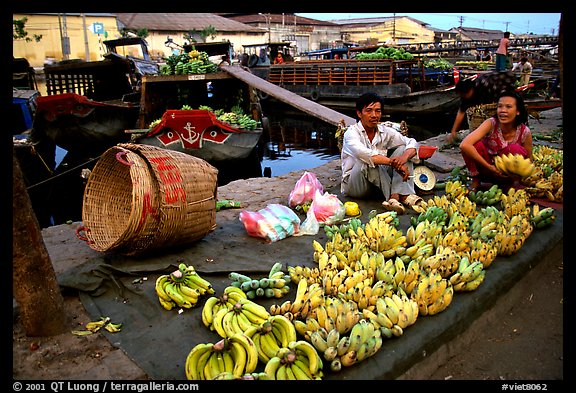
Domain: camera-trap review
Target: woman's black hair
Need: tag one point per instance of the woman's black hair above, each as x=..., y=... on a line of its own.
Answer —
x=464, y=85
x=522, y=117
x=366, y=99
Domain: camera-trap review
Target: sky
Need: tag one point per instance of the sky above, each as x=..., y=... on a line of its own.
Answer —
x=516, y=23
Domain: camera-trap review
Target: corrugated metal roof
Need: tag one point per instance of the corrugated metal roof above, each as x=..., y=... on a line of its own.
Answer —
x=276, y=19
x=182, y=22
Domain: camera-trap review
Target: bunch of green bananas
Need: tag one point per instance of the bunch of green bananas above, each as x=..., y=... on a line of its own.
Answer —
x=469, y=276
x=300, y=361
x=541, y=218
x=432, y=214
x=236, y=355
x=485, y=225
x=181, y=288
x=275, y=285
x=343, y=228
x=486, y=197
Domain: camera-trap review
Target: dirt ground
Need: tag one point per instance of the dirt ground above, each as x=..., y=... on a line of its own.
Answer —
x=523, y=341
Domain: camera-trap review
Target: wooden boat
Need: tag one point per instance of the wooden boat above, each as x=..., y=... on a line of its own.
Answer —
x=407, y=88
x=201, y=134
x=83, y=126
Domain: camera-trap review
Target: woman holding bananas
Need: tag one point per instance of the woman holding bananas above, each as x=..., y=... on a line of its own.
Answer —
x=506, y=132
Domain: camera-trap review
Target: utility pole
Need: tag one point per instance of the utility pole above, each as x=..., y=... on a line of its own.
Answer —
x=65, y=40
x=86, y=46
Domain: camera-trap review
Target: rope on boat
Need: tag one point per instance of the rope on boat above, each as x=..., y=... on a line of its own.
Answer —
x=63, y=173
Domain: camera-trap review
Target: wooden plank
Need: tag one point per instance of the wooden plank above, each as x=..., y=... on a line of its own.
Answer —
x=312, y=108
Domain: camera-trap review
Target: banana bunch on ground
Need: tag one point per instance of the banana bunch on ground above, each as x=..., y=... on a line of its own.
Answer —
x=311, y=274
x=227, y=321
x=253, y=376
x=469, y=275
x=456, y=222
x=445, y=261
x=514, y=165
x=542, y=218
x=181, y=288
x=549, y=186
x=441, y=201
x=512, y=234
x=515, y=201
x=353, y=223
x=365, y=340
x=488, y=197
x=421, y=249
x=393, y=314
x=463, y=205
x=429, y=231
x=433, y=294
x=275, y=333
x=485, y=225
x=482, y=251
x=457, y=239
x=213, y=304
x=455, y=189
x=275, y=285
x=335, y=313
x=236, y=354
x=435, y=214
x=391, y=271
x=381, y=235
x=300, y=361
x=307, y=298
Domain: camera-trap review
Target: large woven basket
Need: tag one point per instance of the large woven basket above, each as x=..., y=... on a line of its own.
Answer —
x=139, y=198
x=477, y=114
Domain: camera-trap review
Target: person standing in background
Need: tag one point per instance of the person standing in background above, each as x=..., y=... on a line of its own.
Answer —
x=502, y=52
x=525, y=68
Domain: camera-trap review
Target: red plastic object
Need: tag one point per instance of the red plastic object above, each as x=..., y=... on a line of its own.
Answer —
x=426, y=151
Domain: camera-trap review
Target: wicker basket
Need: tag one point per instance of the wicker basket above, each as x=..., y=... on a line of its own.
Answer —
x=477, y=114
x=141, y=197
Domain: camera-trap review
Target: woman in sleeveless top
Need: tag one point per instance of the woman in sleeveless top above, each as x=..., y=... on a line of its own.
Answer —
x=506, y=132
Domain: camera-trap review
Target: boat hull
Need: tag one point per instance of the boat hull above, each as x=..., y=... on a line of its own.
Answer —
x=201, y=134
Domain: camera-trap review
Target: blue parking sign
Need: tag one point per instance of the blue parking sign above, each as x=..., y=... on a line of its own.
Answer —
x=98, y=28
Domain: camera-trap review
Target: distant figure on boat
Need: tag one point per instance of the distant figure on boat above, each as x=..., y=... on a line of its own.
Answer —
x=279, y=58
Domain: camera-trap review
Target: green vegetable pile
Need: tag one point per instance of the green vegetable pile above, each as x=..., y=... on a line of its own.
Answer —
x=195, y=62
x=439, y=63
x=385, y=53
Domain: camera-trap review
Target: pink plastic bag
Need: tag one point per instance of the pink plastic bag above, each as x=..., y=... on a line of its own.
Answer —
x=273, y=223
x=327, y=208
x=305, y=189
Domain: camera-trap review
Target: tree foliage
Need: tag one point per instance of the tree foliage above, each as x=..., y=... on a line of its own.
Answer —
x=19, y=31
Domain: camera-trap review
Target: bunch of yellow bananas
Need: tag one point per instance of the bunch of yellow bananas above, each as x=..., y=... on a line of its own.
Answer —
x=457, y=239
x=336, y=313
x=482, y=251
x=307, y=298
x=244, y=314
x=365, y=340
x=236, y=355
x=275, y=333
x=515, y=201
x=393, y=314
x=445, y=261
x=433, y=294
x=469, y=276
x=514, y=165
x=300, y=361
x=214, y=304
x=512, y=234
x=312, y=274
x=181, y=288
x=455, y=189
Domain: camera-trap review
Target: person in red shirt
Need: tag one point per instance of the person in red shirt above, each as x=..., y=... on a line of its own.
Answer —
x=279, y=58
x=506, y=132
